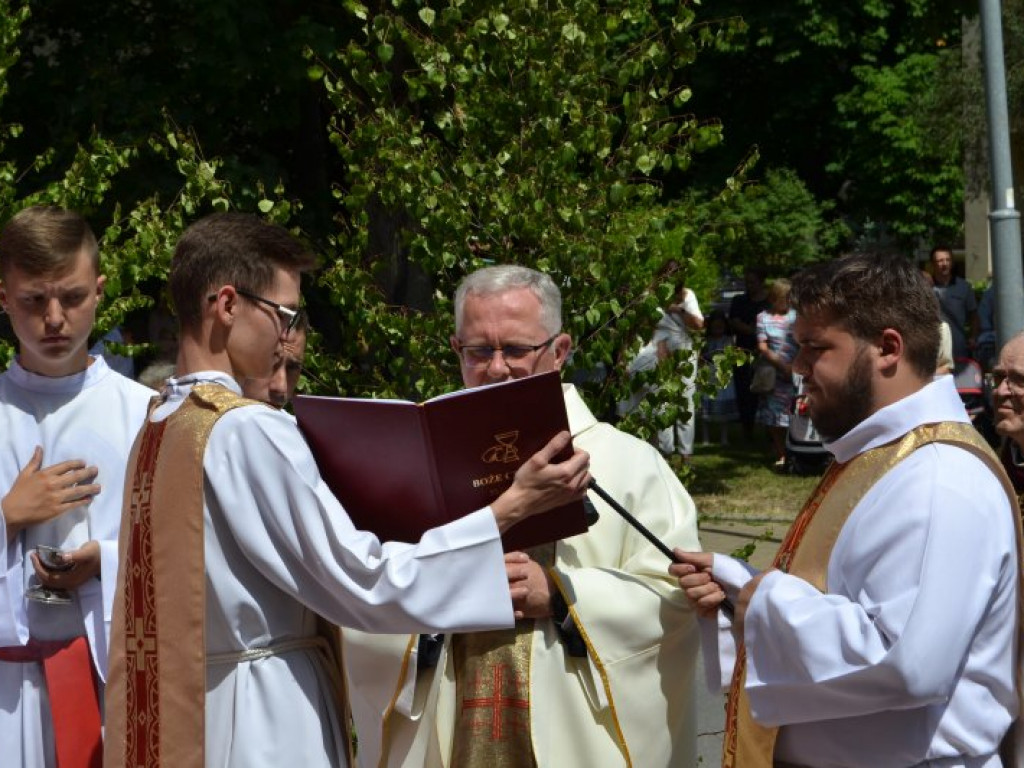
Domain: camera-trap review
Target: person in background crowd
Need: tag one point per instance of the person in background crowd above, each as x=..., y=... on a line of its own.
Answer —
x=1008, y=406
x=956, y=302
x=117, y=362
x=743, y=311
x=776, y=345
x=674, y=333
x=719, y=408
x=985, y=351
x=944, y=365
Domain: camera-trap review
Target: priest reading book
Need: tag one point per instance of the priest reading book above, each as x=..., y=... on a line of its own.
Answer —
x=599, y=668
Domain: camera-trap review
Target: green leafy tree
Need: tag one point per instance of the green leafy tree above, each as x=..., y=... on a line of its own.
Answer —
x=792, y=88
x=230, y=73
x=898, y=169
x=778, y=224
x=135, y=242
x=536, y=134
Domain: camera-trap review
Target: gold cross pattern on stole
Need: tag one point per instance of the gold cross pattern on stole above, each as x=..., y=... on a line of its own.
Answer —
x=140, y=644
x=142, y=499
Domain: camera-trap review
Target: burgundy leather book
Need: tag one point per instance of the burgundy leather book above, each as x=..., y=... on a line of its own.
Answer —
x=400, y=468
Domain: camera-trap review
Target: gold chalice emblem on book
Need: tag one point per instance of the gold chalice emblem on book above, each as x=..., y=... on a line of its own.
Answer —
x=504, y=451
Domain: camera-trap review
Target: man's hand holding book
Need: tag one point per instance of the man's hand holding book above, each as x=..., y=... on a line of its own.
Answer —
x=540, y=486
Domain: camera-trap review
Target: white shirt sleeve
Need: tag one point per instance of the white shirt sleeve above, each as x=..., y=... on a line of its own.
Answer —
x=262, y=480
x=718, y=643
x=921, y=586
x=690, y=303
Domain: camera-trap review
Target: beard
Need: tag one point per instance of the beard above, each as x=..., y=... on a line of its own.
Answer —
x=852, y=402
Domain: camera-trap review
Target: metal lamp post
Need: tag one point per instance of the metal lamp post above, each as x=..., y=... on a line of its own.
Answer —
x=1004, y=218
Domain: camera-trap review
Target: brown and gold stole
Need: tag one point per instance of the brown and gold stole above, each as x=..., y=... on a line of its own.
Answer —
x=156, y=688
x=492, y=673
x=807, y=548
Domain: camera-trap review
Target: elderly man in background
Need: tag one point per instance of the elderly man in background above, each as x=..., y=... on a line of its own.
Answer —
x=1008, y=403
x=863, y=646
x=599, y=669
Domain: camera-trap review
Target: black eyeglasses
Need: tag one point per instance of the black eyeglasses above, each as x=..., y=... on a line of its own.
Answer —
x=478, y=355
x=290, y=318
x=1014, y=381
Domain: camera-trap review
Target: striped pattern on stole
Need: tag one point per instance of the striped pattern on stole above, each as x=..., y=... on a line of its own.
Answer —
x=807, y=548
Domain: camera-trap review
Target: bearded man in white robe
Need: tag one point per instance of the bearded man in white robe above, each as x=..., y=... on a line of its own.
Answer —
x=599, y=670
x=887, y=632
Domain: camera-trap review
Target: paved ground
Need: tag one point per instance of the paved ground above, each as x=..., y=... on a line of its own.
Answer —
x=725, y=536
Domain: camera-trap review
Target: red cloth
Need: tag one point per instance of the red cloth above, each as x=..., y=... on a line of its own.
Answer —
x=74, y=701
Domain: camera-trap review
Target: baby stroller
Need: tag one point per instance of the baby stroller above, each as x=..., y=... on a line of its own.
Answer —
x=970, y=385
x=805, y=453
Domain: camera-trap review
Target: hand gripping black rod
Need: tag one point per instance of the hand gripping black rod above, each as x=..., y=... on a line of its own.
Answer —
x=726, y=606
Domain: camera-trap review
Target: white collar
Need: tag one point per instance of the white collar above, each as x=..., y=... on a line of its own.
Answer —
x=59, y=385
x=179, y=386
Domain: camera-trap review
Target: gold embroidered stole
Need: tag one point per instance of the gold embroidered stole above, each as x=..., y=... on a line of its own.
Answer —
x=156, y=687
x=492, y=692
x=807, y=548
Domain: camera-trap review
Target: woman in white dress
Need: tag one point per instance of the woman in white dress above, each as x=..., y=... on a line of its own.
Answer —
x=672, y=334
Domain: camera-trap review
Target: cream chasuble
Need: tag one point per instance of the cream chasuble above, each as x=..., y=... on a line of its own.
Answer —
x=611, y=708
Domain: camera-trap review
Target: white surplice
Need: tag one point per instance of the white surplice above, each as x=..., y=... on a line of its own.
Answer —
x=631, y=700
x=93, y=416
x=279, y=549
x=909, y=658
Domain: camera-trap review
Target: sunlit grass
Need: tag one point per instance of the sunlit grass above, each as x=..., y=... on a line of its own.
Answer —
x=738, y=482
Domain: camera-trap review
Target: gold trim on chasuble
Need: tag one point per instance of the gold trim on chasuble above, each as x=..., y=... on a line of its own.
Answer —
x=510, y=637
x=602, y=671
x=807, y=548
x=156, y=689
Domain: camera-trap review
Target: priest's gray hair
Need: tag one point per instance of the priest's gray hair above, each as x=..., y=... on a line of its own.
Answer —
x=491, y=281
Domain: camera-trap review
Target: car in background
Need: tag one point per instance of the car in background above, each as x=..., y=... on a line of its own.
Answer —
x=730, y=287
